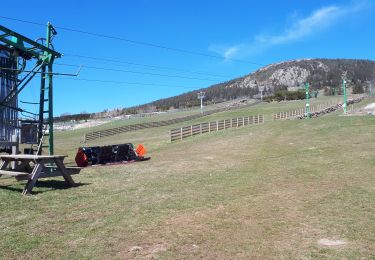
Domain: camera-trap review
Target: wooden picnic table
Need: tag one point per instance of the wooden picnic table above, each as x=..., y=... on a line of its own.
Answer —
x=33, y=167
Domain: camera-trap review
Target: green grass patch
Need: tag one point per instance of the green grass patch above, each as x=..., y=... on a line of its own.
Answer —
x=266, y=191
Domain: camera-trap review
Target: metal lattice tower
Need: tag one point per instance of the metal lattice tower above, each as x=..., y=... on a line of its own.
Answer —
x=8, y=114
x=21, y=47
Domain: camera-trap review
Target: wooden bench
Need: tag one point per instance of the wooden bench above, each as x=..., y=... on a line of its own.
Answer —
x=34, y=167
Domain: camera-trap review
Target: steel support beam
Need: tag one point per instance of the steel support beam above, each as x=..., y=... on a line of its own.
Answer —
x=23, y=39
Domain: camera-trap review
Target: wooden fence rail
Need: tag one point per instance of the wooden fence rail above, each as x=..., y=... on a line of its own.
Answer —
x=315, y=108
x=118, y=130
x=213, y=126
x=301, y=111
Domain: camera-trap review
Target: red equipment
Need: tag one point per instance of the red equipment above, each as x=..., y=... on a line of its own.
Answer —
x=119, y=153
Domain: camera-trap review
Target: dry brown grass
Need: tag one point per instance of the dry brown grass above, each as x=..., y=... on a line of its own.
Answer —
x=262, y=192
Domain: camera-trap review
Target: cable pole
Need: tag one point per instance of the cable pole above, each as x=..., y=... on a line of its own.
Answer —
x=201, y=96
x=307, y=99
x=344, y=93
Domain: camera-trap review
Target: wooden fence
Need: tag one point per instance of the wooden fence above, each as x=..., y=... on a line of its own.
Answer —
x=316, y=108
x=214, y=126
x=301, y=111
x=118, y=130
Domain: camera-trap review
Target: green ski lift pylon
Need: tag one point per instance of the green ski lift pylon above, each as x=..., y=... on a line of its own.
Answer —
x=344, y=94
x=47, y=97
x=44, y=55
x=307, y=111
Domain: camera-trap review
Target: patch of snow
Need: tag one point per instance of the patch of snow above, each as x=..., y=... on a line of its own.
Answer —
x=78, y=125
x=370, y=106
x=135, y=249
x=329, y=242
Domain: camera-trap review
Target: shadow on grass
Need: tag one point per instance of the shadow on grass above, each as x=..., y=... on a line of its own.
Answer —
x=50, y=184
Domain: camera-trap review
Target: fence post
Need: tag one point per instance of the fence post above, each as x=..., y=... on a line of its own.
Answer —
x=181, y=133
x=209, y=127
x=200, y=128
x=191, y=130
x=217, y=125
x=14, y=149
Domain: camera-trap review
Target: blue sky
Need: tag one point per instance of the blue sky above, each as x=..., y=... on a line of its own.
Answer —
x=258, y=32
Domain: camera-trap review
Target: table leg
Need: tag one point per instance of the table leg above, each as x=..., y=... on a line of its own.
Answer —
x=4, y=165
x=67, y=177
x=34, y=177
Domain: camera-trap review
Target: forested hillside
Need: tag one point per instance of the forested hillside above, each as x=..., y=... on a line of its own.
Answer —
x=320, y=73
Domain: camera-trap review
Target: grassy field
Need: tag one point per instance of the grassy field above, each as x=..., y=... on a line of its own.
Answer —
x=161, y=116
x=268, y=191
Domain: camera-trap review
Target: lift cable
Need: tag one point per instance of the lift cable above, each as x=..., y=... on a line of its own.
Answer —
x=46, y=72
x=138, y=72
x=148, y=44
x=126, y=82
x=17, y=109
x=144, y=65
x=30, y=117
x=29, y=103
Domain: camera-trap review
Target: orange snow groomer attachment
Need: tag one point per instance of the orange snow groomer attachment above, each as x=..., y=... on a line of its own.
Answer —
x=141, y=150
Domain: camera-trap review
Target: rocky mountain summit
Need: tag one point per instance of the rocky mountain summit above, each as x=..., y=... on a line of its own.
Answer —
x=319, y=72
